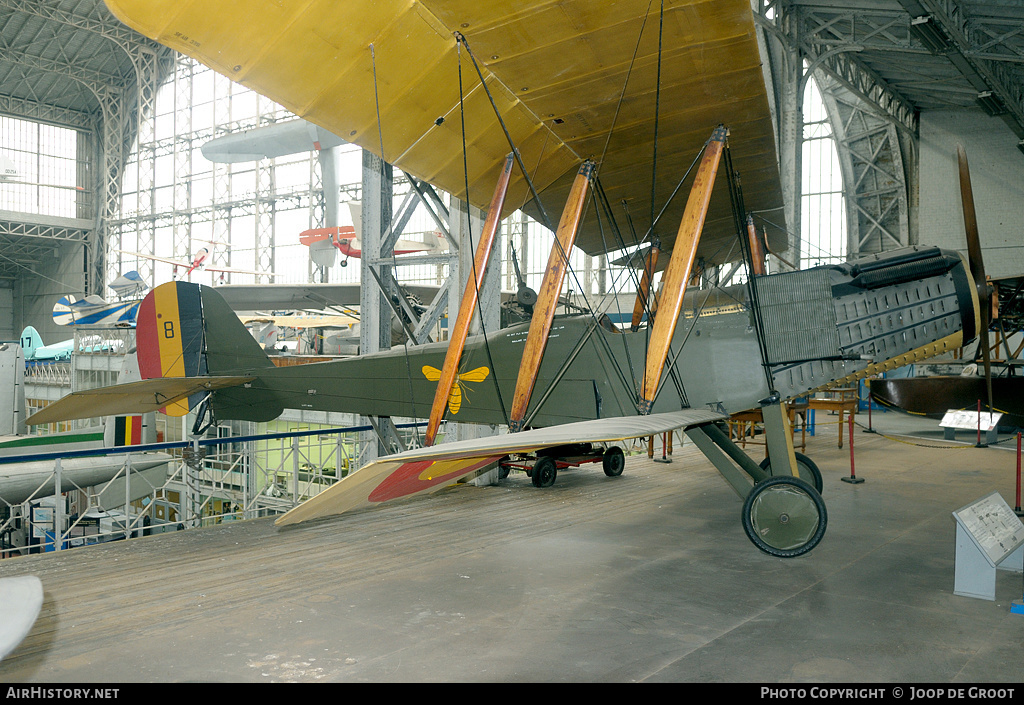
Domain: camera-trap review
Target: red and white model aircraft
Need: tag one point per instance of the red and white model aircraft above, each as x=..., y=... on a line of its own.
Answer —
x=199, y=261
x=323, y=241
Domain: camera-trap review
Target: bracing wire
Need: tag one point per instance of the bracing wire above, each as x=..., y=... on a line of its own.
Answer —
x=405, y=340
x=657, y=111
x=469, y=233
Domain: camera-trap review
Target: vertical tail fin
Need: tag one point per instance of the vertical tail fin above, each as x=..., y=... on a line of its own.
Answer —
x=30, y=340
x=188, y=330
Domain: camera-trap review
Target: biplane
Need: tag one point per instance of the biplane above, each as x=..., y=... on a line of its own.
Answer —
x=95, y=311
x=325, y=243
x=602, y=107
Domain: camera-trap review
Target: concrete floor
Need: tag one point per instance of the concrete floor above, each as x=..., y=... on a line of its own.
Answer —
x=646, y=577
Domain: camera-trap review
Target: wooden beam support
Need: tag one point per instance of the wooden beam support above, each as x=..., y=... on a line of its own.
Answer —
x=644, y=292
x=547, y=297
x=756, y=248
x=678, y=271
x=457, y=340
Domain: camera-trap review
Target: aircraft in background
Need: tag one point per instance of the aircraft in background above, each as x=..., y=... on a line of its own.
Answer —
x=278, y=139
x=319, y=334
x=323, y=242
x=95, y=311
x=28, y=478
x=8, y=172
x=198, y=262
x=36, y=351
x=576, y=384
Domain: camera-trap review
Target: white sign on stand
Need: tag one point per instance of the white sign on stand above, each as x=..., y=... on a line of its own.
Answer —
x=989, y=536
x=967, y=420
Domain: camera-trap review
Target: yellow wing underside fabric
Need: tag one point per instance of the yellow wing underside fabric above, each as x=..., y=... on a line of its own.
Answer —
x=557, y=71
x=425, y=470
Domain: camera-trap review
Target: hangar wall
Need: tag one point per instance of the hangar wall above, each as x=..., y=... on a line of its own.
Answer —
x=7, y=331
x=997, y=179
x=61, y=274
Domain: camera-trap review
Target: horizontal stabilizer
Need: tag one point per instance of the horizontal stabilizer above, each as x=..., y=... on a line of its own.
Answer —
x=132, y=398
x=427, y=469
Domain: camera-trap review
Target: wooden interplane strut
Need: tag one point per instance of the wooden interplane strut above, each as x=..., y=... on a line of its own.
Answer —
x=644, y=292
x=756, y=248
x=547, y=297
x=457, y=341
x=678, y=271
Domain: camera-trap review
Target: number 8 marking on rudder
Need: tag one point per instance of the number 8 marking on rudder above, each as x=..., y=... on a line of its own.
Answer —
x=168, y=329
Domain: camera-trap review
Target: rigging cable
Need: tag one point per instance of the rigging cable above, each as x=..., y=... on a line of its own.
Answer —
x=460, y=40
x=469, y=233
x=736, y=200
x=394, y=264
x=657, y=110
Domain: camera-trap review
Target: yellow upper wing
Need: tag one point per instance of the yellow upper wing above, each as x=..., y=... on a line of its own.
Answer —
x=556, y=70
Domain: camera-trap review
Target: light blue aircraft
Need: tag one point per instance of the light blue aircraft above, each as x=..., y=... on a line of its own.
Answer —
x=36, y=351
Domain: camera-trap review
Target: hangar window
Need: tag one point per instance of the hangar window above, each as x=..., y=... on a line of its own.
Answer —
x=49, y=169
x=823, y=218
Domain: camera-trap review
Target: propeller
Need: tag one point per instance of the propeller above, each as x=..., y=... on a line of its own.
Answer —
x=977, y=265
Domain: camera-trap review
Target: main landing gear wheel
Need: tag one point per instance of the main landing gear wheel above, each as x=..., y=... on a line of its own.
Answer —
x=806, y=469
x=613, y=462
x=784, y=516
x=544, y=472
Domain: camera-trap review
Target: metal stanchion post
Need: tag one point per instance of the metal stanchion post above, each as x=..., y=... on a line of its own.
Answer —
x=1017, y=509
x=852, y=479
x=870, y=428
x=980, y=444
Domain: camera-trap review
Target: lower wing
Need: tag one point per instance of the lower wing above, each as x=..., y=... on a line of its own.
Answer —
x=427, y=469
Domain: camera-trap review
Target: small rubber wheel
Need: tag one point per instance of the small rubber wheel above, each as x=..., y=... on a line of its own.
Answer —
x=806, y=469
x=503, y=471
x=613, y=462
x=544, y=472
x=784, y=516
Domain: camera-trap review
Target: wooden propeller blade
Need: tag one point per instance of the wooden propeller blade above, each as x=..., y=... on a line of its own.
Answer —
x=977, y=264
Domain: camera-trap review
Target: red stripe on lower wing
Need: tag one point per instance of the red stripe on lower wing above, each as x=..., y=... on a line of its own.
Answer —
x=408, y=478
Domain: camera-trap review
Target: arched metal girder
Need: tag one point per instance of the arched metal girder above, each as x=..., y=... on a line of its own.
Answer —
x=985, y=50
x=867, y=115
x=874, y=174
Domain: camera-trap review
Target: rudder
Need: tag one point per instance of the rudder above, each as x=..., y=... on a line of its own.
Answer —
x=30, y=340
x=187, y=330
